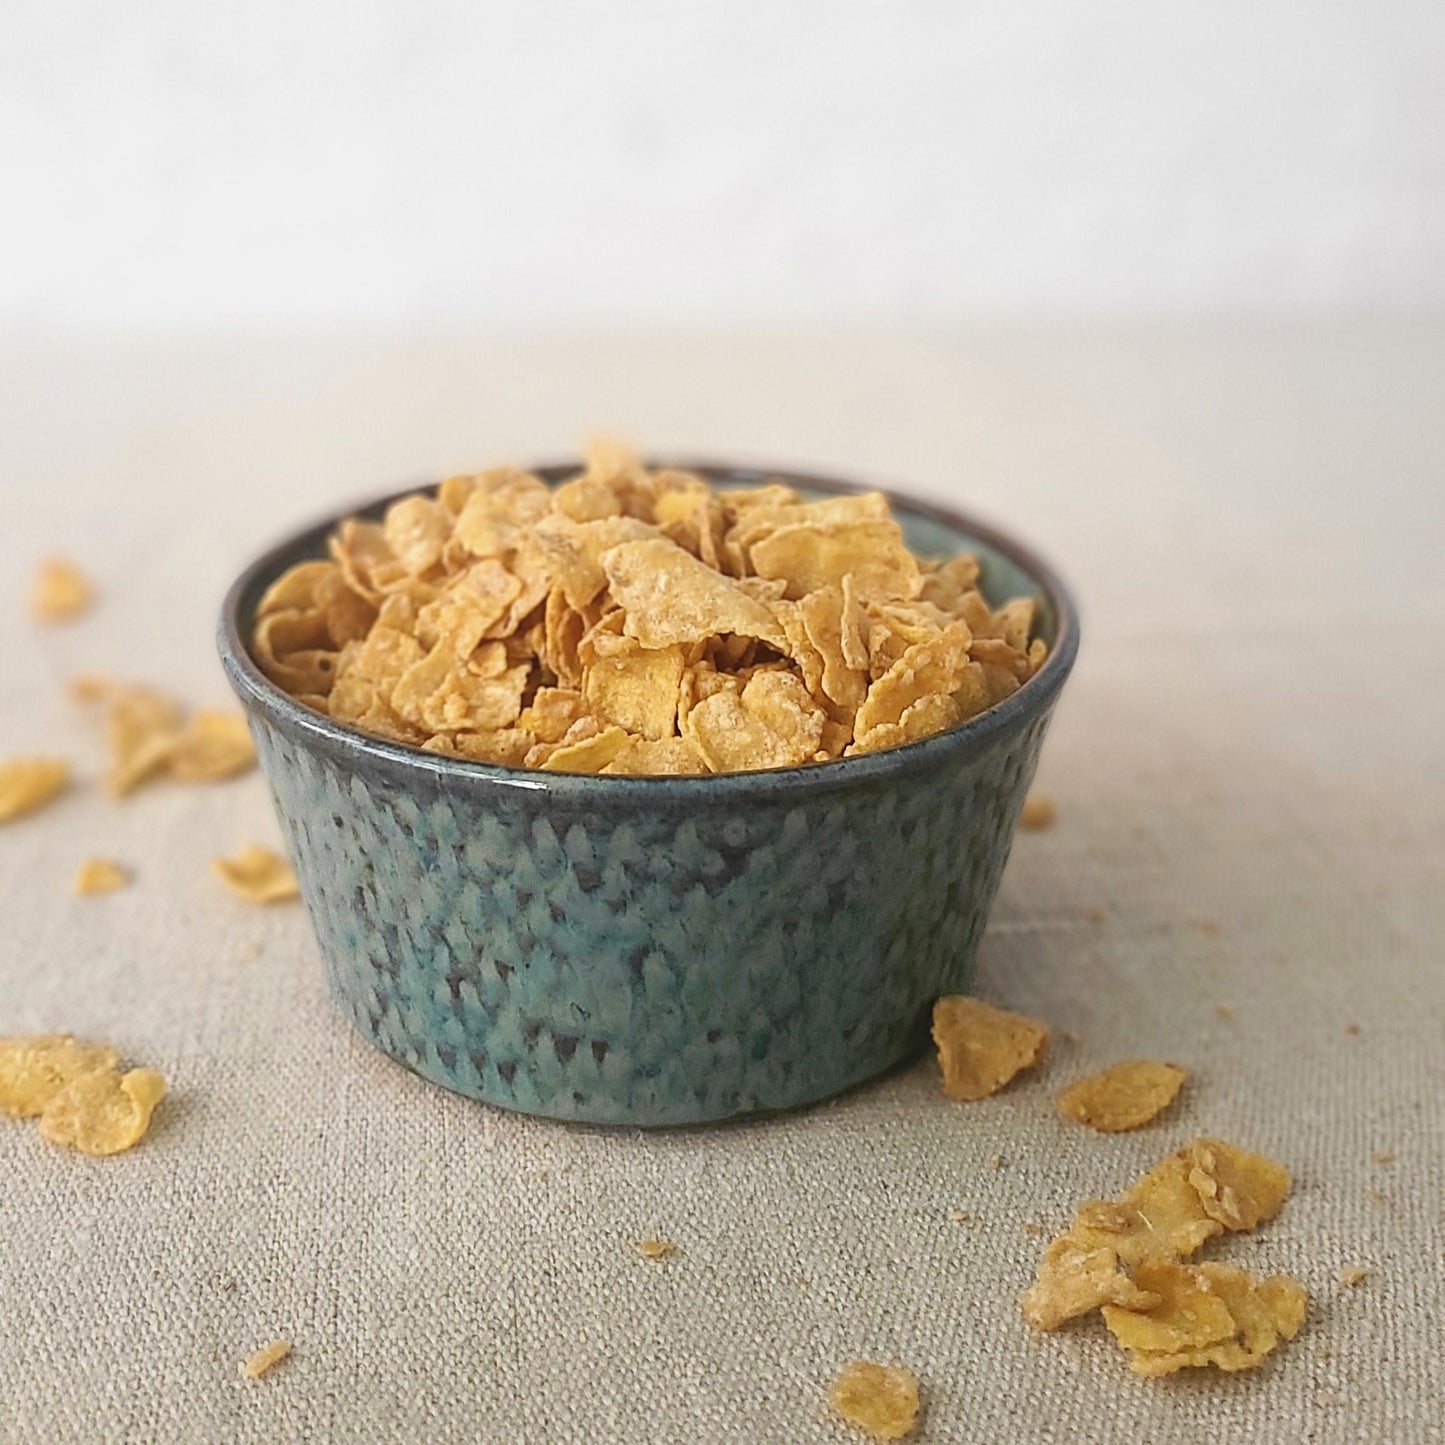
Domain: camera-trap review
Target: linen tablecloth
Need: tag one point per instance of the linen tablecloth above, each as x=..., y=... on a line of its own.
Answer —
x=1247, y=876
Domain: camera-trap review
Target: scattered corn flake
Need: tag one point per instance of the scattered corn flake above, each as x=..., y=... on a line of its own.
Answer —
x=100, y=875
x=1074, y=1279
x=1122, y=1096
x=265, y=1359
x=1384, y=1156
x=27, y=784
x=958, y=1216
x=1353, y=1275
x=1164, y=1217
x=142, y=728
x=1187, y=1313
x=216, y=745
x=258, y=875
x=1237, y=1188
x=60, y=591
x=34, y=1070
x=1207, y=1314
x=995, y=1162
x=1038, y=812
x=980, y=1048
x=656, y=1248
x=104, y=1112
x=880, y=1400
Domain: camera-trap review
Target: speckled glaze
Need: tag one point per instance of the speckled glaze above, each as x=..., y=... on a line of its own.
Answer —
x=652, y=951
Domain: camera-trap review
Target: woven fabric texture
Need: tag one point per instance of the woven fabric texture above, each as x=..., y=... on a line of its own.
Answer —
x=1246, y=876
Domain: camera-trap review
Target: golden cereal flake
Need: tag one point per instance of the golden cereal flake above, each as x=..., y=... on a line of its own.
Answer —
x=60, y=591
x=215, y=745
x=770, y=723
x=1122, y=1096
x=441, y=693
x=649, y=758
x=34, y=1070
x=656, y=1248
x=1354, y=1275
x=1037, y=812
x=1207, y=1314
x=265, y=1359
x=257, y=875
x=925, y=669
x=27, y=784
x=142, y=728
x=637, y=689
x=103, y=1113
x=100, y=875
x=1236, y=1187
x=670, y=597
x=980, y=1048
x=880, y=1400
x=296, y=590
x=416, y=529
x=1186, y=1314
x=586, y=749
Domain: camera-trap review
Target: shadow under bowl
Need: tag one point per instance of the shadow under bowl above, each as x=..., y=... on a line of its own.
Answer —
x=653, y=951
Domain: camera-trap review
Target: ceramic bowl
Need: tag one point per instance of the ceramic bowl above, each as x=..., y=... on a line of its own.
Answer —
x=653, y=951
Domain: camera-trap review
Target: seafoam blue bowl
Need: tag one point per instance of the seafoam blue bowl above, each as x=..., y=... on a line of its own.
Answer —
x=653, y=951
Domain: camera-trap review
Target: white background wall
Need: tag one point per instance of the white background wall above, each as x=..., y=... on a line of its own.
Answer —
x=794, y=161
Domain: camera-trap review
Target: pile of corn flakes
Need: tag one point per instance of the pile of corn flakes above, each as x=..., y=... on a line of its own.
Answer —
x=1124, y=1257
x=640, y=622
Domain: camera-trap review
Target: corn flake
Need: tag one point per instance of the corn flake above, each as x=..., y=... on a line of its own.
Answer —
x=671, y=597
x=100, y=875
x=1207, y=1314
x=1123, y=1096
x=1037, y=812
x=27, y=784
x=60, y=591
x=34, y=1070
x=771, y=722
x=104, y=1112
x=980, y=1048
x=656, y=1248
x=216, y=745
x=265, y=1359
x=880, y=1400
x=258, y=875
x=1237, y=1188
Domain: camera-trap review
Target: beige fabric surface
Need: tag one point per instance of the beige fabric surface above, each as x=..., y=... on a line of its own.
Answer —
x=1249, y=773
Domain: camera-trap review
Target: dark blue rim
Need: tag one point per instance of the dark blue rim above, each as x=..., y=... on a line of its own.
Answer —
x=1031, y=701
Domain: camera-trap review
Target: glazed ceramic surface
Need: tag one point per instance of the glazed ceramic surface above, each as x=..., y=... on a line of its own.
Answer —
x=653, y=951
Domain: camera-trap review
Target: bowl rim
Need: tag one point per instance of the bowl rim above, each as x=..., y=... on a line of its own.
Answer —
x=1033, y=700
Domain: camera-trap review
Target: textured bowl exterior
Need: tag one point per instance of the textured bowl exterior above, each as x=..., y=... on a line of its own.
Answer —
x=642, y=951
